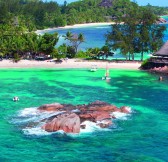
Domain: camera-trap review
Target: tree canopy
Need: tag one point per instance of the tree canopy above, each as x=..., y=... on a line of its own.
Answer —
x=135, y=30
x=37, y=14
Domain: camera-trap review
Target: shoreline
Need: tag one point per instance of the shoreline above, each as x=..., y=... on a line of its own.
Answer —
x=74, y=26
x=70, y=64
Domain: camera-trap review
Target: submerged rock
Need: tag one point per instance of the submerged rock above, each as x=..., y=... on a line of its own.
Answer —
x=72, y=117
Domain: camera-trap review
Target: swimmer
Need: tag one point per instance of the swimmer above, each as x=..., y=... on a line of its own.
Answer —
x=15, y=98
x=160, y=78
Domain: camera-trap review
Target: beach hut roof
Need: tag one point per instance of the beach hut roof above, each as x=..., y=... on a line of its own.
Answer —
x=163, y=50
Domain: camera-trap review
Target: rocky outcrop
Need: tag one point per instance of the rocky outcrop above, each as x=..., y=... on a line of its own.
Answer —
x=51, y=107
x=163, y=70
x=125, y=109
x=161, y=20
x=106, y=3
x=69, y=123
x=100, y=106
x=71, y=118
x=94, y=116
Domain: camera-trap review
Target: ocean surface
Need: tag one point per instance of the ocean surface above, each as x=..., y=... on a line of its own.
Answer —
x=140, y=137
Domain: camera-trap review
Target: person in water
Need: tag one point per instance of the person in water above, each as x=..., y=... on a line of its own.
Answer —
x=15, y=98
x=160, y=78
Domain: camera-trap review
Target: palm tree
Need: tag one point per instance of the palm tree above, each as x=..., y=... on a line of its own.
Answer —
x=75, y=39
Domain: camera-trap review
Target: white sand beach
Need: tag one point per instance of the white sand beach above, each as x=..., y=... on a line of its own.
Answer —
x=75, y=26
x=71, y=63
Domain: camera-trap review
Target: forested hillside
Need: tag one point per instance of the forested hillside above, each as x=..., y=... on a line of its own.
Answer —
x=36, y=14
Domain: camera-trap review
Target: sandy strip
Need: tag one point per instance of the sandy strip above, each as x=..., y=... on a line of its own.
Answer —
x=75, y=26
x=71, y=63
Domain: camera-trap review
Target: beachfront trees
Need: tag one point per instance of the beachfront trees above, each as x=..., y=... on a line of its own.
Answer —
x=124, y=31
x=15, y=41
x=70, y=52
x=60, y=52
x=55, y=54
x=74, y=39
x=47, y=43
x=135, y=30
x=150, y=34
x=105, y=50
x=93, y=52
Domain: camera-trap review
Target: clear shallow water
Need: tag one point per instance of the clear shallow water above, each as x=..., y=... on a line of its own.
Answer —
x=142, y=137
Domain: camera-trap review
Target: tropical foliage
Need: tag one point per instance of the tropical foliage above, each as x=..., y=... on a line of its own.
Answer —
x=135, y=30
x=75, y=40
x=18, y=18
x=16, y=43
x=37, y=14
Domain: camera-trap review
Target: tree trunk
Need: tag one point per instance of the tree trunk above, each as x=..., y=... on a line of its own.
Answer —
x=126, y=57
x=142, y=56
x=129, y=56
x=133, y=57
x=76, y=50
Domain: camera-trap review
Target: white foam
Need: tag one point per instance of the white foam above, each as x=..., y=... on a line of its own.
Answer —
x=28, y=115
x=91, y=127
x=128, y=109
x=35, y=131
x=120, y=115
x=38, y=131
x=35, y=117
x=28, y=111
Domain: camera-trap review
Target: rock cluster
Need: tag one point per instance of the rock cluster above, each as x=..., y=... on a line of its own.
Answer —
x=163, y=70
x=161, y=20
x=71, y=118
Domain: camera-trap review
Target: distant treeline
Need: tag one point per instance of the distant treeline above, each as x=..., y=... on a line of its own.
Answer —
x=36, y=14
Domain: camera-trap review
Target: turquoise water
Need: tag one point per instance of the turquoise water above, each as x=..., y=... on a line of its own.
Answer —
x=142, y=137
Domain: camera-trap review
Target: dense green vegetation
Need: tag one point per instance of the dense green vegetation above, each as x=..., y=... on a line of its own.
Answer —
x=135, y=30
x=36, y=14
x=16, y=43
x=157, y=10
x=18, y=18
